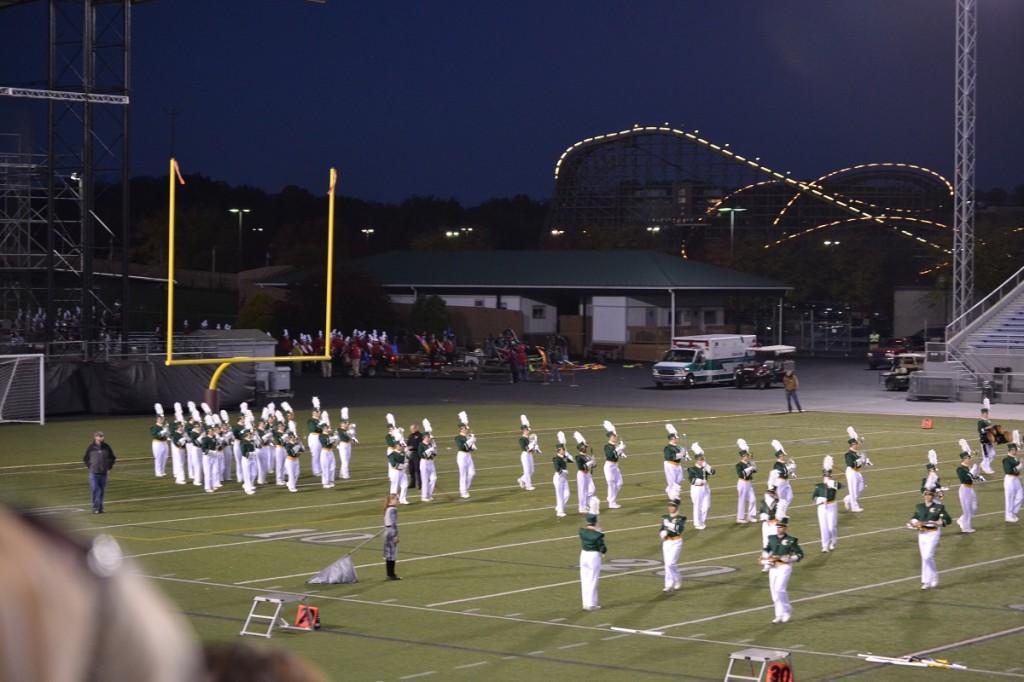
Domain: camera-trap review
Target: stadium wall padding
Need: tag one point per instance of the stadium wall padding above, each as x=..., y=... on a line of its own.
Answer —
x=127, y=387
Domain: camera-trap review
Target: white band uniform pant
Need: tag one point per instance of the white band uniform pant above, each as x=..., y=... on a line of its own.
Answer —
x=968, y=506
x=195, y=463
x=927, y=543
x=560, y=481
x=428, y=479
x=291, y=469
x=327, y=467
x=590, y=571
x=988, y=454
x=526, y=480
x=236, y=451
x=670, y=551
x=767, y=530
x=700, y=495
x=855, y=485
x=313, y=442
x=245, y=474
x=673, y=479
x=613, y=477
x=345, y=455
x=279, y=472
x=785, y=490
x=178, y=463
x=778, y=586
x=828, y=523
x=466, y=472
x=399, y=484
x=745, y=508
x=160, y=452
x=1013, y=494
x=584, y=490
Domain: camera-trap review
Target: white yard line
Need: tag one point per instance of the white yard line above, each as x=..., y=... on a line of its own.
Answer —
x=972, y=640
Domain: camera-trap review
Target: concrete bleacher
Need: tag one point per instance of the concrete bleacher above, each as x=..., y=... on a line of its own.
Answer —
x=1004, y=332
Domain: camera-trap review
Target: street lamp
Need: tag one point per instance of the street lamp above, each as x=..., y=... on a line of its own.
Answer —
x=732, y=225
x=241, y=218
x=367, y=231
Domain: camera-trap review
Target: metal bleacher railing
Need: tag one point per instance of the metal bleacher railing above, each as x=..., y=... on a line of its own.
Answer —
x=997, y=297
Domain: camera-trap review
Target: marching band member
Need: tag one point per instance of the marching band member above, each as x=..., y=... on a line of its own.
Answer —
x=313, y=436
x=389, y=439
x=398, y=462
x=967, y=474
x=928, y=519
x=988, y=448
x=674, y=454
x=931, y=479
x=700, y=488
x=292, y=449
x=280, y=427
x=236, y=440
x=247, y=467
x=1012, y=492
x=178, y=442
x=527, y=446
x=824, y=496
x=264, y=436
x=560, y=479
x=745, y=470
x=465, y=443
x=161, y=435
x=671, y=533
x=328, y=441
x=614, y=450
x=428, y=472
x=786, y=470
x=584, y=479
x=209, y=447
x=227, y=449
x=346, y=439
x=194, y=431
x=766, y=511
x=781, y=552
x=591, y=548
x=855, y=461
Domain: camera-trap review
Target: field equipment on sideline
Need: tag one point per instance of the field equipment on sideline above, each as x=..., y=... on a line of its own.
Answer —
x=777, y=663
x=914, y=661
x=276, y=600
x=22, y=389
x=342, y=571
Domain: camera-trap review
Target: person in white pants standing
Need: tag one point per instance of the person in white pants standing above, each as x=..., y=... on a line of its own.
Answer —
x=560, y=479
x=855, y=461
x=781, y=552
x=746, y=511
x=782, y=470
x=428, y=472
x=1013, y=494
x=671, y=533
x=178, y=441
x=465, y=443
x=614, y=451
x=988, y=448
x=346, y=439
x=397, y=463
x=328, y=442
x=967, y=474
x=292, y=448
x=313, y=431
x=161, y=434
x=584, y=477
x=824, y=497
x=527, y=446
x=928, y=519
x=700, y=489
x=592, y=547
x=674, y=455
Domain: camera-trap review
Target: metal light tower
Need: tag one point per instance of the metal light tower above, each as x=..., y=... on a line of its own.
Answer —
x=963, y=201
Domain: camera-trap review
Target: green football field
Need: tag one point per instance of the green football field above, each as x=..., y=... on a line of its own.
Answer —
x=490, y=585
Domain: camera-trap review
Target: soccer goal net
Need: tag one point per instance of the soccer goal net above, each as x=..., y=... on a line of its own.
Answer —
x=22, y=389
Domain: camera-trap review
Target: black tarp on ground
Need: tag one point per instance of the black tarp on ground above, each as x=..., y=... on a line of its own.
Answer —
x=131, y=387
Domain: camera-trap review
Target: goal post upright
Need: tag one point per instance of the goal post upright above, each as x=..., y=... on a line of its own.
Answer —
x=224, y=363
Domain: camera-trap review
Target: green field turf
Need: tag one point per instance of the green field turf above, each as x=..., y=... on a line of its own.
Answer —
x=490, y=585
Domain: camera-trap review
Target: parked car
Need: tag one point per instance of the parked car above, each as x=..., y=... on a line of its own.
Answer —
x=905, y=364
x=885, y=354
x=765, y=368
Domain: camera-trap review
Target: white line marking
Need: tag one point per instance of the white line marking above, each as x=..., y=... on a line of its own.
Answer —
x=573, y=646
x=965, y=642
x=512, y=615
x=744, y=641
x=392, y=600
x=409, y=677
x=470, y=665
x=556, y=620
x=702, y=634
x=471, y=610
x=535, y=653
x=508, y=658
x=797, y=646
x=608, y=639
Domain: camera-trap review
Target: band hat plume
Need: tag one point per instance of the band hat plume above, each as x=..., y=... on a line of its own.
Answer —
x=524, y=422
x=778, y=449
x=560, y=438
x=672, y=433
x=463, y=419
x=580, y=440
x=1014, y=443
x=316, y=404
x=159, y=409
x=286, y=407
x=206, y=409
x=986, y=405
x=965, y=447
x=827, y=463
x=224, y=416
x=933, y=459
x=852, y=436
x=325, y=419
x=609, y=428
x=426, y=426
x=697, y=450
x=743, y=447
x=390, y=419
x=344, y=414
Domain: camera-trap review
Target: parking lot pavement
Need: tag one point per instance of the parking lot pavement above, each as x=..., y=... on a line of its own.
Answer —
x=833, y=385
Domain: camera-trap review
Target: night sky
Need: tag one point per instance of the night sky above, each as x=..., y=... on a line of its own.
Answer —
x=478, y=99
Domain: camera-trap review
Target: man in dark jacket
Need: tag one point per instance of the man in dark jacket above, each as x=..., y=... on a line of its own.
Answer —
x=99, y=458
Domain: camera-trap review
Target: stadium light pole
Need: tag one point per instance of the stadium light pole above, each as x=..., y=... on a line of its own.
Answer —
x=732, y=224
x=241, y=219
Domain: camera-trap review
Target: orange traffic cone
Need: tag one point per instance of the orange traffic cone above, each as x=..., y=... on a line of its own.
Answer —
x=307, y=617
x=927, y=424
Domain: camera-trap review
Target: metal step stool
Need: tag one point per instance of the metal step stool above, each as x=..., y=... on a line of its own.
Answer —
x=276, y=600
x=754, y=656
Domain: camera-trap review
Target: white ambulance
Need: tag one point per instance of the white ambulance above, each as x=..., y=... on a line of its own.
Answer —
x=704, y=359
